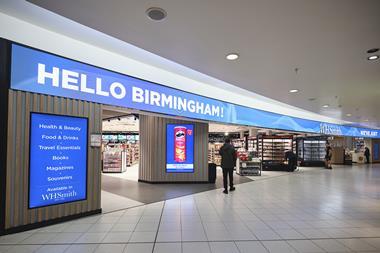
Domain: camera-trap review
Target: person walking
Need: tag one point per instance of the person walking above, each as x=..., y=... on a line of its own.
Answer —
x=367, y=154
x=328, y=156
x=228, y=154
x=292, y=160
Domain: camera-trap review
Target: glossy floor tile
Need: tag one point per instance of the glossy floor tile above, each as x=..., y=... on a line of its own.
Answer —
x=311, y=211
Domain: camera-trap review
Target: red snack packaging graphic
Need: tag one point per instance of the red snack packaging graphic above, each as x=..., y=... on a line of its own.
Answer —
x=180, y=144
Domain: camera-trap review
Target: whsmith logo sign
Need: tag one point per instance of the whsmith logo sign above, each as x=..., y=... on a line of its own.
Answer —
x=330, y=129
x=39, y=72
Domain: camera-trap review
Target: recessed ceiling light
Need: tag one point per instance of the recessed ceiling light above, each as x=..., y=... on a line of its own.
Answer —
x=232, y=56
x=226, y=133
x=348, y=114
x=366, y=120
x=325, y=106
x=156, y=13
x=373, y=57
x=372, y=50
x=294, y=91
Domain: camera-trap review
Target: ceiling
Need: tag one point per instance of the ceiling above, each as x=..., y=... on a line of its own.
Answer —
x=326, y=40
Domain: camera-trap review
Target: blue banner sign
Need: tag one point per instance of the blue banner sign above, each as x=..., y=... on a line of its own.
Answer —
x=36, y=71
x=58, y=159
x=179, y=148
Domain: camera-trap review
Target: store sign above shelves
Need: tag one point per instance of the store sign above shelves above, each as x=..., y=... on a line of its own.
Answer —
x=40, y=72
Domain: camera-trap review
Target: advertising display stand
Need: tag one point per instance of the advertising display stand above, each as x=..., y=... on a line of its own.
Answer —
x=180, y=148
x=58, y=159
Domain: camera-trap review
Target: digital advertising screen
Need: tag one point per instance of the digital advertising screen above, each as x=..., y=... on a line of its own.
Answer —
x=179, y=148
x=58, y=159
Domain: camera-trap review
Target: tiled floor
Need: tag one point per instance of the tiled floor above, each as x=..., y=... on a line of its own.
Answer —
x=311, y=211
x=128, y=193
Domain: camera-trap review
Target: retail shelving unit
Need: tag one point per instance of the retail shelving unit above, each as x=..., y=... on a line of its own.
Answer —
x=213, y=153
x=252, y=144
x=359, y=144
x=133, y=153
x=114, y=161
x=311, y=150
x=120, y=149
x=272, y=148
x=249, y=168
x=239, y=144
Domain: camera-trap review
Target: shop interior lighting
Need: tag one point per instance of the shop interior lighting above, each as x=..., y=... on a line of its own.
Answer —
x=348, y=114
x=294, y=91
x=226, y=133
x=372, y=50
x=232, y=56
x=325, y=106
x=373, y=57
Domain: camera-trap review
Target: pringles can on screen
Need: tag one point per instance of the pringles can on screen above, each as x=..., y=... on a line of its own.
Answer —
x=180, y=144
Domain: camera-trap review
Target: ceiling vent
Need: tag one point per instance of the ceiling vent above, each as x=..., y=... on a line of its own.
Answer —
x=156, y=13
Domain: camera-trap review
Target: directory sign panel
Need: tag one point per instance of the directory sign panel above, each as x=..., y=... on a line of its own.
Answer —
x=179, y=148
x=58, y=159
x=44, y=73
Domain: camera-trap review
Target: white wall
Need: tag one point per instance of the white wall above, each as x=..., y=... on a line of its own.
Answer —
x=150, y=67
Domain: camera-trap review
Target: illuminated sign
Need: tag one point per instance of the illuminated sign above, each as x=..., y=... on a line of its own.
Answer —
x=58, y=159
x=36, y=71
x=330, y=129
x=179, y=148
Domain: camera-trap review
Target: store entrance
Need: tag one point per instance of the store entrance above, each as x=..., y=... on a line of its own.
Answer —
x=122, y=154
x=120, y=159
x=121, y=146
x=261, y=154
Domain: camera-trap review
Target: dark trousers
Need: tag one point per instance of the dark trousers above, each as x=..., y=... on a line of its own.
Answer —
x=230, y=172
x=292, y=165
x=367, y=158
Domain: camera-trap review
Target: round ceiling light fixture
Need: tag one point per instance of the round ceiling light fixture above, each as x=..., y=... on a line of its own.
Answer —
x=372, y=50
x=373, y=57
x=232, y=56
x=156, y=13
x=326, y=105
x=294, y=91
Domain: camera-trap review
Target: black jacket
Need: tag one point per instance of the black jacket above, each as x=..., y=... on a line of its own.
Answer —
x=228, y=153
x=289, y=155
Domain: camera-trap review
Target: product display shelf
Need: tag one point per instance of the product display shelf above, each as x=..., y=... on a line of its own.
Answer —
x=114, y=161
x=133, y=153
x=272, y=150
x=213, y=153
x=311, y=150
x=238, y=143
x=359, y=144
x=252, y=144
x=249, y=168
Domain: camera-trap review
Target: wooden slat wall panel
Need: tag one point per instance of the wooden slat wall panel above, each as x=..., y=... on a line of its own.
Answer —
x=20, y=106
x=153, y=151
